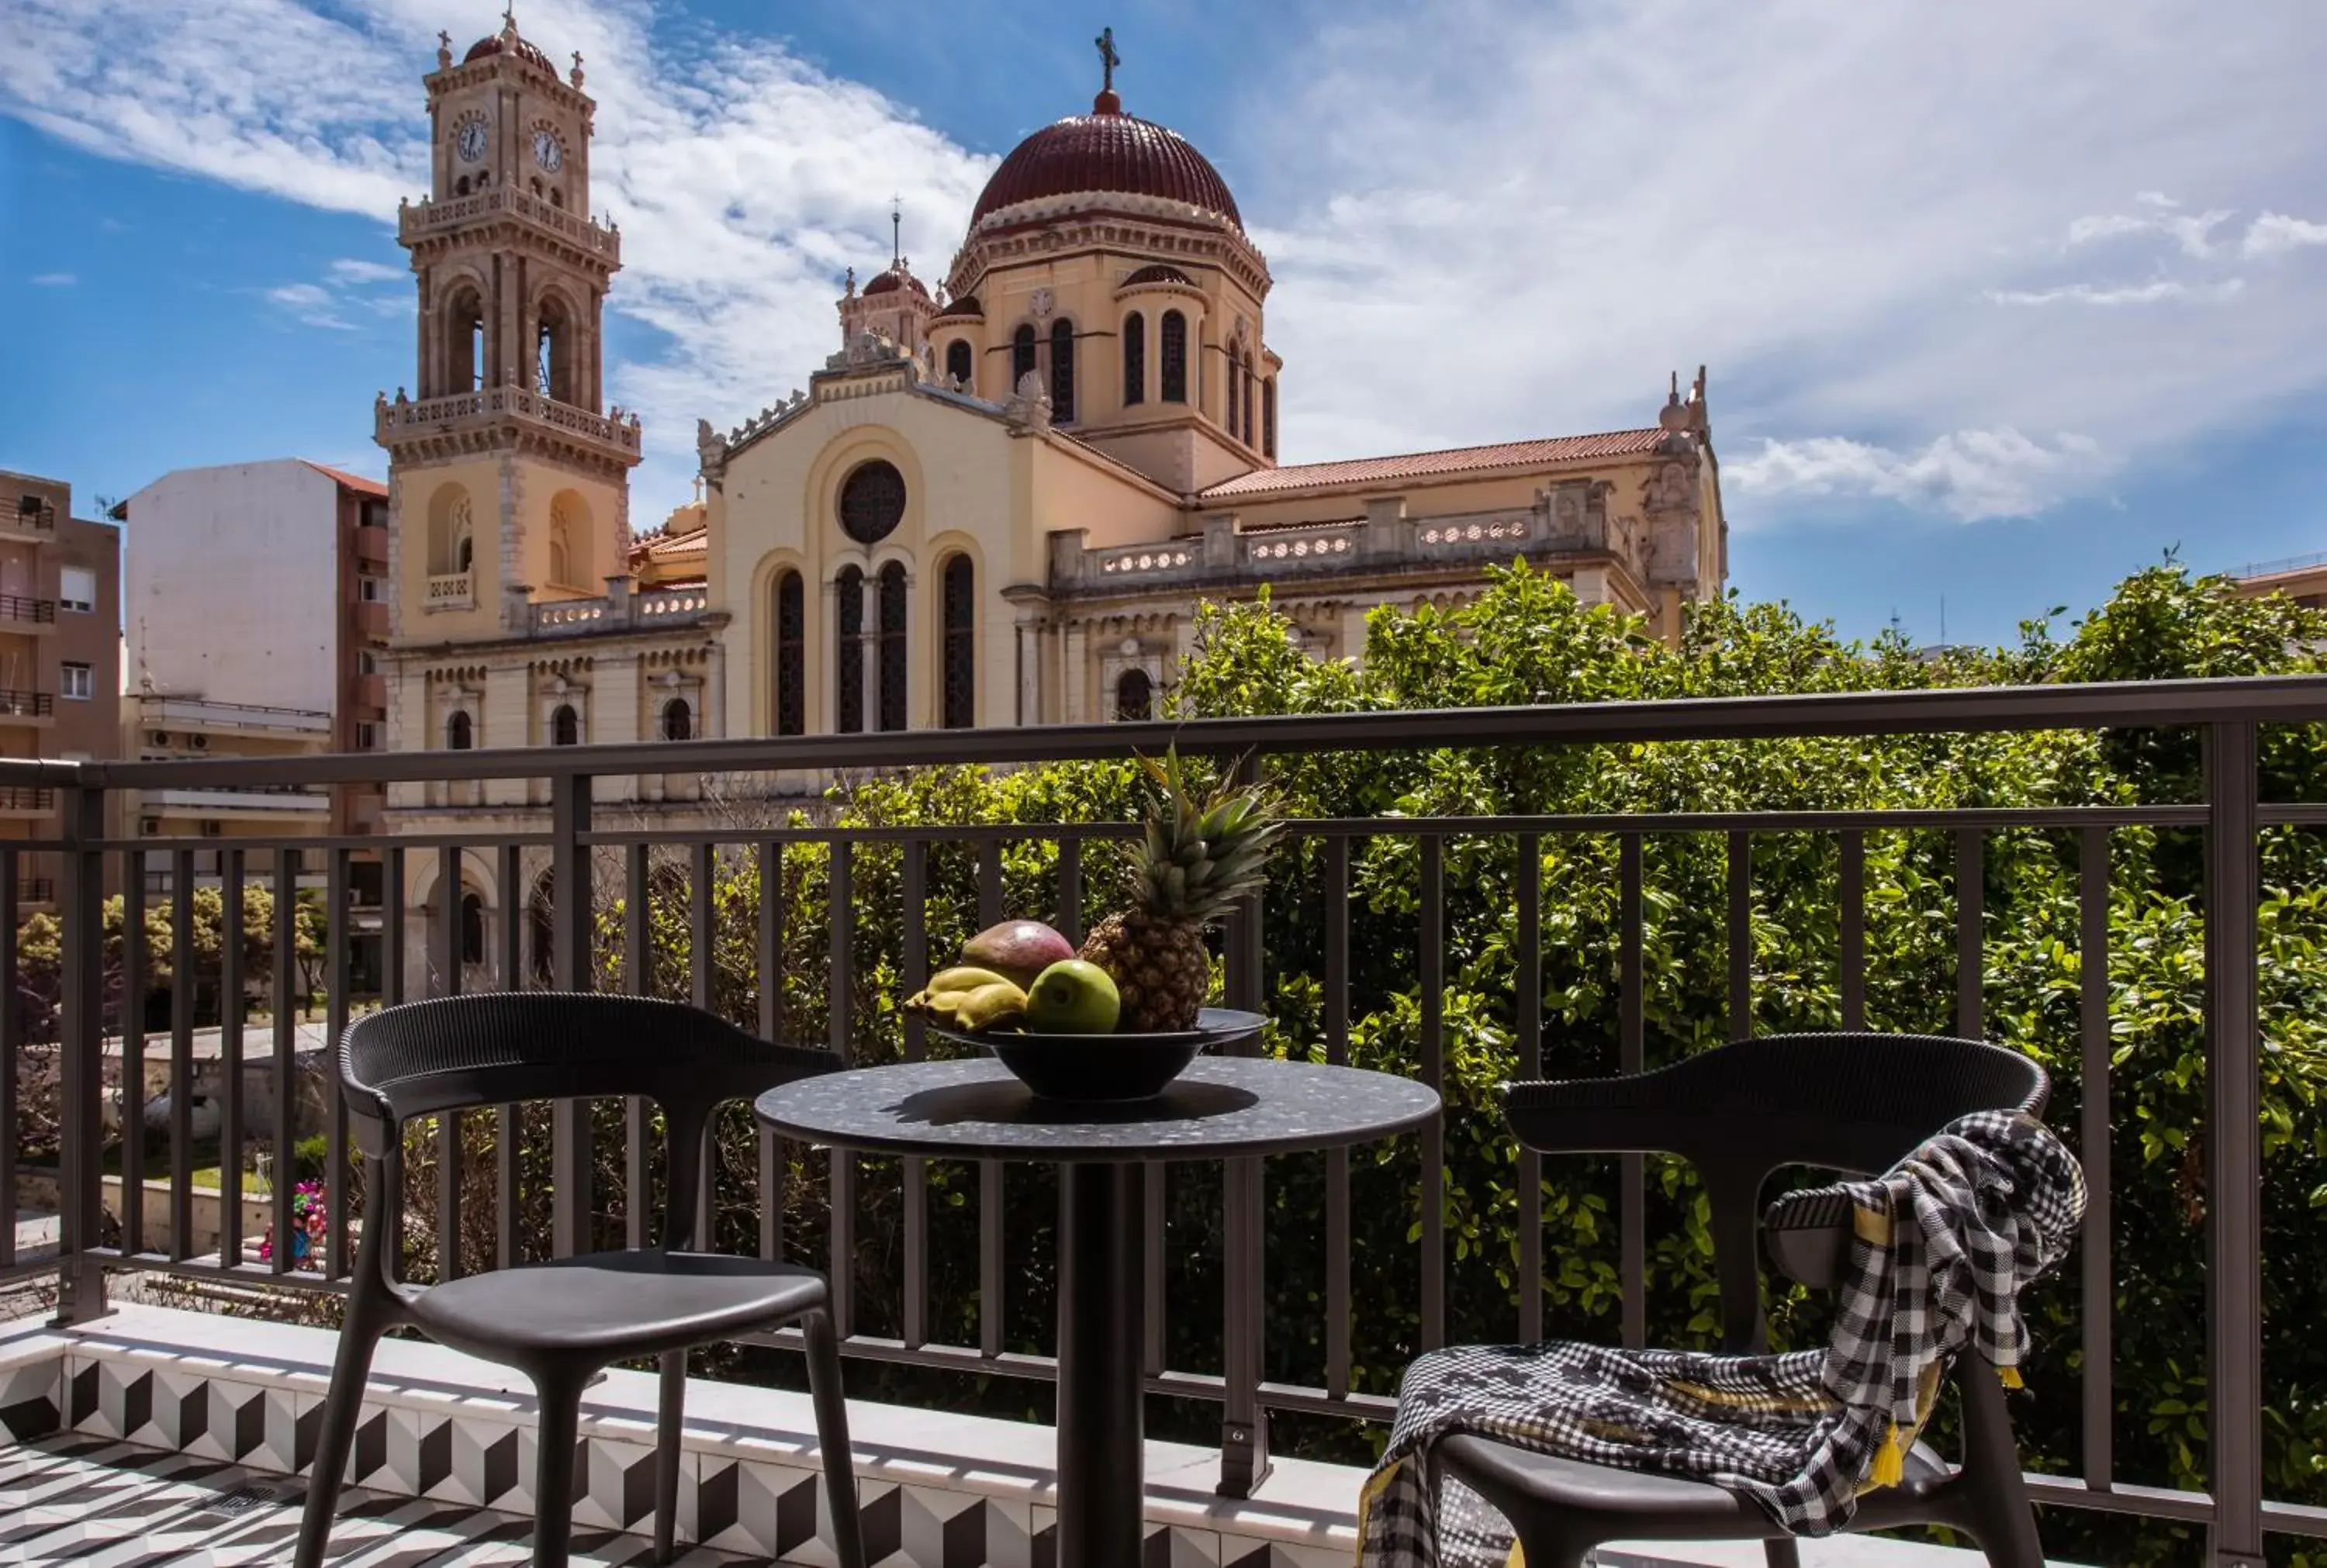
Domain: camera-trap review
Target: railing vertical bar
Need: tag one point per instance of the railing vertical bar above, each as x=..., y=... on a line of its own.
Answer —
x=1244, y=1192
x=1527, y=1002
x=772, y=1027
x=11, y=1048
x=1070, y=889
x=133, y=1059
x=570, y=1229
x=915, y=959
x=2234, y=1175
x=840, y=895
x=451, y=953
x=638, y=898
x=181, y=1053
x=1971, y=899
x=1741, y=935
x=230, y=978
x=1852, y=897
x=700, y=886
x=508, y=1130
x=286, y=1026
x=991, y=1194
x=2099, y=1305
x=1433, y=948
x=1336, y=847
x=338, y=968
x=81, y=1280
x=1632, y=1057
x=388, y=1208
x=339, y=977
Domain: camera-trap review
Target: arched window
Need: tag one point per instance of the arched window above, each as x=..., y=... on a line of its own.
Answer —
x=1135, y=358
x=553, y=370
x=565, y=726
x=472, y=928
x=464, y=554
x=569, y=538
x=1236, y=377
x=1134, y=696
x=961, y=363
x=561, y=553
x=449, y=544
x=1062, y=372
x=960, y=674
x=1268, y=418
x=460, y=732
x=893, y=646
x=677, y=719
x=1021, y=357
x=791, y=655
x=461, y=186
x=848, y=649
x=464, y=341
x=1175, y=357
x=1251, y=397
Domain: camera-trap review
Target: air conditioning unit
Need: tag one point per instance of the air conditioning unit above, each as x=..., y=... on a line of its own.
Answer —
x=157, y=737
x=199, y=742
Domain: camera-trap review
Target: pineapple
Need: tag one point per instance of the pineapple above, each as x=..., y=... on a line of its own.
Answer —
x=1198, y=858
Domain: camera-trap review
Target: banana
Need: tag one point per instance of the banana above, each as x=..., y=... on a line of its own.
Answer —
x=963, y=977
x=989, y=1005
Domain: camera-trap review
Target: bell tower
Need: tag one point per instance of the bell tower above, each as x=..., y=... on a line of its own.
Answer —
x=508, y=475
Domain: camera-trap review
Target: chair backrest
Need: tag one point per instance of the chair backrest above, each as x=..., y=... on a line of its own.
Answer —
x=458, y=1052
x=1850, y=1103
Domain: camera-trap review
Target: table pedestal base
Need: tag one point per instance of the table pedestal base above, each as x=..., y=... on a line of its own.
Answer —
x=1102, y=1427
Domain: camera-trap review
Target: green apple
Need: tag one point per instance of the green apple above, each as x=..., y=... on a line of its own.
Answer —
x=1072, y=997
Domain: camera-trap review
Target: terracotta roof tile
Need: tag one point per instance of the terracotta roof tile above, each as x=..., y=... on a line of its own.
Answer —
x=354, y=481
x=1432, y=464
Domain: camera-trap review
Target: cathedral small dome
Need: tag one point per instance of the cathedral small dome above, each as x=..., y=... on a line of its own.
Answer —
x=1156, y=272
x=891, y=281
x=967, y=306
x=507, y=42
x=1107, y=151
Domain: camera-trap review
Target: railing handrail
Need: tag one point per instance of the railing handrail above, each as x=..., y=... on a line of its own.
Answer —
x=2173, y=704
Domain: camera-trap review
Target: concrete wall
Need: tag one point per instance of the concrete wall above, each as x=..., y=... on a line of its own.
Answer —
x=250, y=548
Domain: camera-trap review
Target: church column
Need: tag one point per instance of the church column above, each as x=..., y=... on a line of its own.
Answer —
x=714, y=718
x=869, y=638
x=1074, y=668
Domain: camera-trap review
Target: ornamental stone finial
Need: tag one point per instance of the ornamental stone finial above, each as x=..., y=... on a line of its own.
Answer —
x=574, y=76
x=444, y=49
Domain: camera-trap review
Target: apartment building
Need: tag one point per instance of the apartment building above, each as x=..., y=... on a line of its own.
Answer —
x=254, y=619
x=60, y=653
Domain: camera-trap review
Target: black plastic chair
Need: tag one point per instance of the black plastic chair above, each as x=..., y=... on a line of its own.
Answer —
x=561, y=1323
x=1850, y=1103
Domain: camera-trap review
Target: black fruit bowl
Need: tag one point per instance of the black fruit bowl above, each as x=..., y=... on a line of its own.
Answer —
x=1108, y=1066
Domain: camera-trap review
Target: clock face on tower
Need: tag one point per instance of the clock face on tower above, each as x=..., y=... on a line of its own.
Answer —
x=471, y=141
x=545, y=150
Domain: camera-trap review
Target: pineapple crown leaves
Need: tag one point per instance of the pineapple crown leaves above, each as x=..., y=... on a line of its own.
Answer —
x=1198, y=857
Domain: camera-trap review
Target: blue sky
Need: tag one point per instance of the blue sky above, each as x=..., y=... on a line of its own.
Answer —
x=1998, y=306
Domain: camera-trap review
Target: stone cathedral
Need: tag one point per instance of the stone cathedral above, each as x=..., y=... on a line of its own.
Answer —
x=997, y=503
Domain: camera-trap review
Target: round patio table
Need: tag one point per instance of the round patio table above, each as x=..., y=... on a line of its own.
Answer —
x=1222, y=1107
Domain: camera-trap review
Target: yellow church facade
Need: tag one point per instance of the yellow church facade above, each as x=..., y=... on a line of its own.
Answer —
x=999, y=502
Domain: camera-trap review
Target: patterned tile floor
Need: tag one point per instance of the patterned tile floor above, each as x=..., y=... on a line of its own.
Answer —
x=101, y=1504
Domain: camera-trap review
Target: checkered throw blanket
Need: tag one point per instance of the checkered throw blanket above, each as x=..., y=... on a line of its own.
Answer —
x=1943, y=1244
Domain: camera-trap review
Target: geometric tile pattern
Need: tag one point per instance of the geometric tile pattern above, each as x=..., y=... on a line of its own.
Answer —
x=153, y=1444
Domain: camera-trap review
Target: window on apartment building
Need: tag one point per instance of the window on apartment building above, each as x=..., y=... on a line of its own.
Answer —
x=367, y=735
x=369, y=589
x=76, y=589
x=76, y=681
x=368, y=662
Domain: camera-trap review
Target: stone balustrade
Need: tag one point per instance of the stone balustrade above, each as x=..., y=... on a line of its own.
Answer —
x=453, y=590
x=405, y=417
x=621, y=609
x=416, y=221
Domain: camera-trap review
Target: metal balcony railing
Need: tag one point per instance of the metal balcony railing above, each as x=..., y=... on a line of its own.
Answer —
x=560, y=869
x=24, y=704
x=26, y=611
x=19, y=797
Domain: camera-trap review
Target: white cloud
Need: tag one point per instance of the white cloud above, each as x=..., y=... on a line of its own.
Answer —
x=2144, y=293
x=1970, y=474
x=53, y=280
x=2274, y=232
x=347, y=269
x=1484, y=220
x=309, y=303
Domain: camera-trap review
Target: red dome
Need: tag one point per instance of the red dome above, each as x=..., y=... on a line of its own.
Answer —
x=891, y=281
x=501, y=41
x=1107, y=150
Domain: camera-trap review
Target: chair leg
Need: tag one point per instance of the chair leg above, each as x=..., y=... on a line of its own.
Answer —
x=670, y=1415
x=1782, y=1554
x=2002, y=1518
x=832, y=1436
x=359, y=1334
x=559, y=1395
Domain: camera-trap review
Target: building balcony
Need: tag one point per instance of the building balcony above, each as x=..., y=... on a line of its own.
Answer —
x=468, y=422
x=416, y=222
x=372, y=618
x=36, y=524
x=371, y=546
x=368, y=694
x=254, y=802
x=19, y=801
x=194, y=716
x=20, y=614
x=622, y=610
x=1461, y=950
x=27, y=709
x=453, y=590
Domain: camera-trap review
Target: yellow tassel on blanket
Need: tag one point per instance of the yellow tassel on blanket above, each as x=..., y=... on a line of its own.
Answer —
x=1518, y=1559
x=2009, y=1377
x=1890, y=1462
